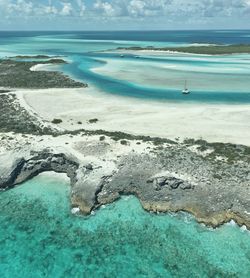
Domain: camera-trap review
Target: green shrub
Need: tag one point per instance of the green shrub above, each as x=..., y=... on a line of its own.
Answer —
x=93, y=121
x=57, y=121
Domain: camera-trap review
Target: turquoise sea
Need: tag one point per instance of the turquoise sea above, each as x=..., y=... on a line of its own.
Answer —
x=219, y=79
x=39, y=237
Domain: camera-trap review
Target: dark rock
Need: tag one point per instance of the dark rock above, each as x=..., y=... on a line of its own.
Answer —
x=174, y=183
x=23, y=170
x=44, y=164
x=185, y=186
x=89, y=167
x=7, y=179
x=30, y=167
x=58, y=160
x=161, y=181
x=151, y=180
x=169, y=182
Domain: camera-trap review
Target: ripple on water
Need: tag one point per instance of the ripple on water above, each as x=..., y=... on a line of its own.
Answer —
x=39, y=237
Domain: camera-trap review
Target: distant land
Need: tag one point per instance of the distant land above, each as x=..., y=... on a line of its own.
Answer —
x=210, y=49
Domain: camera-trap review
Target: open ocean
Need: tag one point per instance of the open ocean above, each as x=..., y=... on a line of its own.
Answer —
x=39, y=237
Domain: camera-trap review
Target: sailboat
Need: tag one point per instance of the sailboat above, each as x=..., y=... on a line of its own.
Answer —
x=185, y=91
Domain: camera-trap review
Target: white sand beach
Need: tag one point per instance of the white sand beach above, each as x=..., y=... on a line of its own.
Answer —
x=214, y=123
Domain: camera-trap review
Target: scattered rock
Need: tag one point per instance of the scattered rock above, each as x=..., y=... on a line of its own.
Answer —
x=89, y=167
x=169, y=182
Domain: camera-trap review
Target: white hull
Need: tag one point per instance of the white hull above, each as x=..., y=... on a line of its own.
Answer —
x=186, y=92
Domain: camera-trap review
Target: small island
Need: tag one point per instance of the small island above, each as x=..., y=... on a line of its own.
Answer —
x=209, y=50
x=34, y=57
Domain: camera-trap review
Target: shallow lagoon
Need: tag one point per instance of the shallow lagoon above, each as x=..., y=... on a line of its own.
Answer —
x=220, y=74
x=220, y=79
x=39, y=237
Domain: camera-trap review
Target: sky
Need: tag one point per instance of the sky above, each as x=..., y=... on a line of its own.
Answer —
x=124, y=14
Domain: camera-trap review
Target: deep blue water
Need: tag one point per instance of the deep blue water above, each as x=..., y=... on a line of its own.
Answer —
x=210, y=36
x=192, y=36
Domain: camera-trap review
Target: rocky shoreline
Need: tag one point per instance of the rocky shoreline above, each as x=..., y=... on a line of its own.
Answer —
x=171, y=179
x=209, y=180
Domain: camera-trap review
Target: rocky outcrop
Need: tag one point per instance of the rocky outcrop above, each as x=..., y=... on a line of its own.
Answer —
x=22, y=169
x=162, y=182
x=171, y=182
x=10, y=171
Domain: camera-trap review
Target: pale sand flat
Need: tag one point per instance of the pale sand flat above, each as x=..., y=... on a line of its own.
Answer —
x=215, y=123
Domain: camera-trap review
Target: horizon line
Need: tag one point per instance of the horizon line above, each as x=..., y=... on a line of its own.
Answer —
x=125, y=30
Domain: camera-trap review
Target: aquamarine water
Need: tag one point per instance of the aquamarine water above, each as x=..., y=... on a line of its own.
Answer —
x=220, y=79
x=39, y=237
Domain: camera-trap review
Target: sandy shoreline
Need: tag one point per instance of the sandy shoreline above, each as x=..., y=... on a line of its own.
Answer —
x=210, y=181
x=154, y=52
x=40, y=67
x=211, y=122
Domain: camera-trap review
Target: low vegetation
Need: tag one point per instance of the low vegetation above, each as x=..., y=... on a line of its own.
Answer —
x=14, y=118
x=93, y=121
x=17, y=74
x=124, y=142
x=210, y=49
x=57, y=121
x=231, y=152
x=33, y=57
x=4, y=91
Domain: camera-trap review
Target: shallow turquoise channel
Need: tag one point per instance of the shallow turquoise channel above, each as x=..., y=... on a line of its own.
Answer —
x=93, y=59
x=39, y=237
